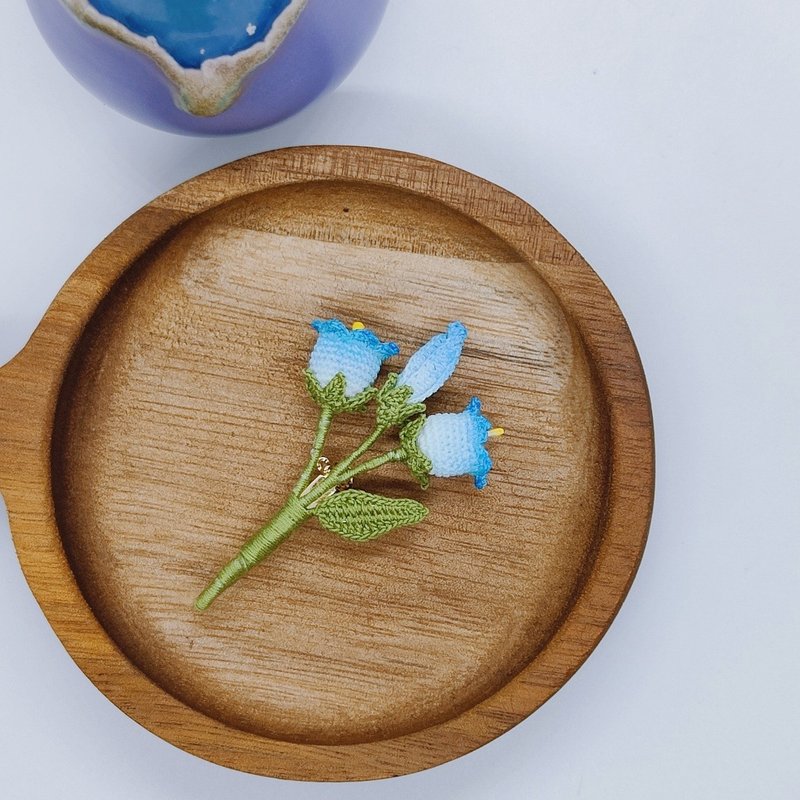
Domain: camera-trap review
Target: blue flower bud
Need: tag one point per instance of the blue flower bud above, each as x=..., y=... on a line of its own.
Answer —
x=357, y=354
x=454, y=443
x=429, y=368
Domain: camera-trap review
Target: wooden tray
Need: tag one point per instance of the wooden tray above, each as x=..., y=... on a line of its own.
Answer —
x=149, y=426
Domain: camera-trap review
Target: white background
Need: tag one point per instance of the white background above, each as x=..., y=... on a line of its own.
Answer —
x=663, y=140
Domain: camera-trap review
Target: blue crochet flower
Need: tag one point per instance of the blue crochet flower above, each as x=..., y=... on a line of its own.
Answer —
x=454, y=443
x=429, y=368
x=355, y=353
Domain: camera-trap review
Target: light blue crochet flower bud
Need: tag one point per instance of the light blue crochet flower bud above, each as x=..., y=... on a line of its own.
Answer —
x=454, y=443
x=429, y=368
x=356, y=353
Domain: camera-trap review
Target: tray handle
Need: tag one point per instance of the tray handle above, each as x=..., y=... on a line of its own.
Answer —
x=6, y=387
x=10, y=407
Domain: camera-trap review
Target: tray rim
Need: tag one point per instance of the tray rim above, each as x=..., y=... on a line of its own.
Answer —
x=30, y=385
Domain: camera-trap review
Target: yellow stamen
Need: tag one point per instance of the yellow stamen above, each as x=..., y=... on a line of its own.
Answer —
x=495, y=432
x=358, y=326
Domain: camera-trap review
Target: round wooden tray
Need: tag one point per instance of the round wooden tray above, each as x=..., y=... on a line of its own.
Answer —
x=158, y=416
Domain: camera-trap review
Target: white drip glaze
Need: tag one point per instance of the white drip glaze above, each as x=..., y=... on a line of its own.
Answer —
x=214, y=86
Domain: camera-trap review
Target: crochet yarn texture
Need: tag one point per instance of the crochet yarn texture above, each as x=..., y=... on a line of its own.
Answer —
x=342, y=370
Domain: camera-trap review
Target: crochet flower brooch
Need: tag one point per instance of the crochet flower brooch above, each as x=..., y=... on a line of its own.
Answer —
x=341, y=374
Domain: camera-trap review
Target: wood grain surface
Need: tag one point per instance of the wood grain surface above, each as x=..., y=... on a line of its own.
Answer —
x=158, y=416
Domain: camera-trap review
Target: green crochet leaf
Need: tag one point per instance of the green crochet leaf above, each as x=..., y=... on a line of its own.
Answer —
x=333, y=397
x=419, y=464
x=361, y=516
x=393, y=405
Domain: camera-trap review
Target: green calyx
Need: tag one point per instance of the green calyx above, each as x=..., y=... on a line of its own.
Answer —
x=333, y=395
x=393, y=405
x=417, y=462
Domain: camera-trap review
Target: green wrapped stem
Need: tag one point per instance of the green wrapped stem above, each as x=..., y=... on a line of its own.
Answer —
x=323, y=426
x=255, y=550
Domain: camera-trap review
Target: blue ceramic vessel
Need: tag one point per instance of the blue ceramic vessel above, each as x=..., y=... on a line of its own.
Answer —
x=208, y=66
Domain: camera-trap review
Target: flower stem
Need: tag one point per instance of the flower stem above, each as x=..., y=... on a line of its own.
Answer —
x=296, y=510
x=256, y=549
x=340, y=474
x=374, y=463
x=323, y=426
x=334, y=477
x=346, y=463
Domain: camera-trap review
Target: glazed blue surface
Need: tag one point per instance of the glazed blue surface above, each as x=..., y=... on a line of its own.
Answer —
x=192, y=31
x=322, y=47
